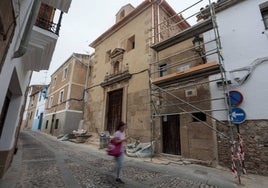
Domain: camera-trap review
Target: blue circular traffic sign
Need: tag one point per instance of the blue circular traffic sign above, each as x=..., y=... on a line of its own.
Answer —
x=234, y=98
x=237, y=115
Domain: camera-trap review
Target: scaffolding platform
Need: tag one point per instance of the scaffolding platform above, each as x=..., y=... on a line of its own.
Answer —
x=188, y=33
x=202, y=70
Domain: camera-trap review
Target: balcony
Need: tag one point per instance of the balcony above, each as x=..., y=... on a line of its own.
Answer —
x=48, y=25
x=46, y=17
x=43, y=38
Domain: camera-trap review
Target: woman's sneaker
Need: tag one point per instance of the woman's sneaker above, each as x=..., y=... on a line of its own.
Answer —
x=119, y=180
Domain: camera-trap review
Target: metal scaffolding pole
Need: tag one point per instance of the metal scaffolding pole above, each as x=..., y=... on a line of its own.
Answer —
x=157, y=92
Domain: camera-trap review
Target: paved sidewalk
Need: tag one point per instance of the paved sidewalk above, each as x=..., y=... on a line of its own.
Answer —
x=219, y=177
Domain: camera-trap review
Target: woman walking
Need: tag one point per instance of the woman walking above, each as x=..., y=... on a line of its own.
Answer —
x=120, y=138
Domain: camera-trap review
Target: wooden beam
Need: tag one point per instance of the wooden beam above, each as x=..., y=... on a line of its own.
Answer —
x=193, y=72
x=191, y=32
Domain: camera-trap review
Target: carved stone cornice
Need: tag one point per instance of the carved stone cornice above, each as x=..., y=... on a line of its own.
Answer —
x=116, y=78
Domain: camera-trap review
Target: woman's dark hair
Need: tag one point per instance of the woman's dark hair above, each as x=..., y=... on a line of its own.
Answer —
x=120, y=124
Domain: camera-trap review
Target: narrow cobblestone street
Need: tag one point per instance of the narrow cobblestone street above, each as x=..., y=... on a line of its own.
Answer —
x=43, y=161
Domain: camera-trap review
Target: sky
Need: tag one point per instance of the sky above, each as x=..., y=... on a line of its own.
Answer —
x=86, y=21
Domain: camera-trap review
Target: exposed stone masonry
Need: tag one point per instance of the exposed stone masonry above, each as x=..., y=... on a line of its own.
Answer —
x=255, y=137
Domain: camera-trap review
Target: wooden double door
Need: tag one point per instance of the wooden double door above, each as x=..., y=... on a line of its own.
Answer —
x=114, y=113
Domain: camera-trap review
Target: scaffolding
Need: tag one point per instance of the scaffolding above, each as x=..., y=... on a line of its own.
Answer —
x=184, y=66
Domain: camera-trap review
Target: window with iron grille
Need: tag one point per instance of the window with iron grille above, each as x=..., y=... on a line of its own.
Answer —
x=162, y=70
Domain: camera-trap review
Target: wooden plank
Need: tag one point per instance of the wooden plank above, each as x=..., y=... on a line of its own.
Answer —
x=191, y=32
x=196, y=69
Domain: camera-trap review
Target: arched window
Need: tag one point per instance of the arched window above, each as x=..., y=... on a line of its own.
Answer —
x=116, y=67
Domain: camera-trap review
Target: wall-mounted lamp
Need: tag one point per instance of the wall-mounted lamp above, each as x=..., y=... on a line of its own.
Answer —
x=198, y=43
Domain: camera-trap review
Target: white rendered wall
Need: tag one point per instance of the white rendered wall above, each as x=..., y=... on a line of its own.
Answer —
x=27, y=104
x=40, y=108
x=23, y=77
x=241, y=32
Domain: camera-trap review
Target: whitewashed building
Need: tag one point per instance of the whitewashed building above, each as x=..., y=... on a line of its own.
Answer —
x=40, y=108
x=34, y=107
x=28, y=36
x=243, y=30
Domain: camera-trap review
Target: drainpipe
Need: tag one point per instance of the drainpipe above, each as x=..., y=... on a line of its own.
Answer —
x=158, y=21
x=28, y=30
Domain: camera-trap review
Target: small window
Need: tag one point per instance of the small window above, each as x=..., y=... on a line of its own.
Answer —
x=265, y=18
x=107, y=56
x=46, y=124
x=54, y=81
x=65, y=73
x=37, y=111
x=116, y=67
x=2, y=29
x=50, y=102
x=57, y=124
x=131, y=43
x=122, y=14
x=44, y=93
x=190, y=92
x=199, y=116
x=162, y=70
x=61, y=97
x=3, y=114
x=264, y=13
x=32, y=101
x=40, y=95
